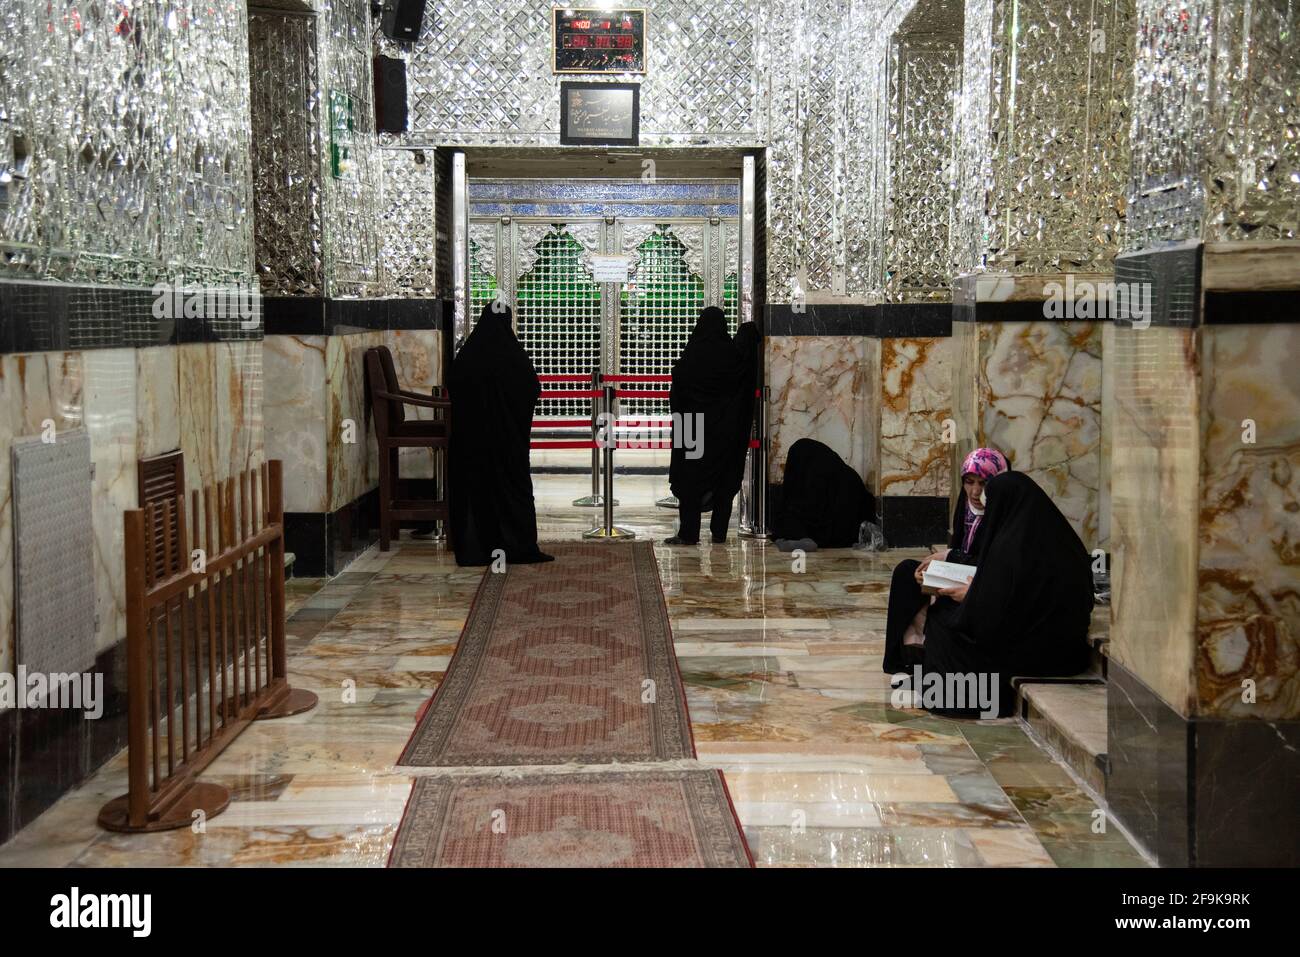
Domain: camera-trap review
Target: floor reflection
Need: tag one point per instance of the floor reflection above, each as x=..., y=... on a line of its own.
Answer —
x=782, y=671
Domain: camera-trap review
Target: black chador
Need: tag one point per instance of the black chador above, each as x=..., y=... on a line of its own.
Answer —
x=1028, y=607
x=822, y=498
x=708, y=410
x=906, y=597
x=494, y=389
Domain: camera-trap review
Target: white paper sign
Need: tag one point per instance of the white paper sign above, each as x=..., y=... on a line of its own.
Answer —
x=610, y=268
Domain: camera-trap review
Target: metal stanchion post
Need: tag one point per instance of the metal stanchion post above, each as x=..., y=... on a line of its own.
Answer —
x=593, y=500
x=754, y=524
x=751, y=523
x=609, y=531
x=668, y=501
x=760, y=490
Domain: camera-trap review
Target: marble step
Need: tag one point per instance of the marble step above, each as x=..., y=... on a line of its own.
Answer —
x=1071, y=717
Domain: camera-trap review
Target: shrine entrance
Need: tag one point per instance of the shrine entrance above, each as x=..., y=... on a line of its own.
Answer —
x=603, y=275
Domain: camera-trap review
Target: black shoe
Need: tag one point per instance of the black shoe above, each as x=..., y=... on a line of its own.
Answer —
x=678, y=540
x=719, y=541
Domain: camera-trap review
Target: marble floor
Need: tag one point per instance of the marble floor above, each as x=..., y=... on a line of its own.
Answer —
x=786, y=696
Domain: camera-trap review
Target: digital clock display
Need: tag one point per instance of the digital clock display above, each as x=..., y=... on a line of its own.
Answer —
x=598, y=41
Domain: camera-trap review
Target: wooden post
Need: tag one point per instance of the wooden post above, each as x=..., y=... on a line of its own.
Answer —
x=275, y=498
x=137, y=652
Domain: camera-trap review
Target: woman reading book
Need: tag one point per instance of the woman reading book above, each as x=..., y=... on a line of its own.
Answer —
x=908, y=605
x=1027, y=608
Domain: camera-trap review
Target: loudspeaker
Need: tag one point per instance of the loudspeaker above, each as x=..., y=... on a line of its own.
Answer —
x=390, y=94
x=402, y=19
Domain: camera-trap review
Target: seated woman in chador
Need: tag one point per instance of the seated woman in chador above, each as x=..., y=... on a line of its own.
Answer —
x=908, y=605
x=1025, y=611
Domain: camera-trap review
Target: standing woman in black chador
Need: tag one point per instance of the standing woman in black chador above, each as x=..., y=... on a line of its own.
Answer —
x=1027, y=610
x=707, y=382
x=494, y=388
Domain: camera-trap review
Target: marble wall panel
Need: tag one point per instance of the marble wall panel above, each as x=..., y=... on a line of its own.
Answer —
x=916, y=399
x=111, y=419
x=294, y=411
x=1248, y=602
x=220, y=386
x=1033, y=390
x=158, y=401
x=130, y=403
x=825, y=388
x=33, y=389
x=1154, y=499
x=417, y=354
x=350, y=466
x=315, y=385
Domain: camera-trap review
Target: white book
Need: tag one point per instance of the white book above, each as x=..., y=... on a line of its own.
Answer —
x=939, y=575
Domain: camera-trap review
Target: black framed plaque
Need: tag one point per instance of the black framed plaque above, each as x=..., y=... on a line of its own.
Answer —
x=600, y=114
x=586, y=40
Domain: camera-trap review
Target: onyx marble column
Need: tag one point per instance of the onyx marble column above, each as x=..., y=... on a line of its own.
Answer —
x=916, y=421
x=1204, y=695
x=1027, y=380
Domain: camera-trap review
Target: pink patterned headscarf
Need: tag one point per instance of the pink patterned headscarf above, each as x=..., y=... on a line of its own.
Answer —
x=985, y=463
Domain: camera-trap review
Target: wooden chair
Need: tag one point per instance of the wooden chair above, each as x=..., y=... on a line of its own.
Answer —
x=393, y=431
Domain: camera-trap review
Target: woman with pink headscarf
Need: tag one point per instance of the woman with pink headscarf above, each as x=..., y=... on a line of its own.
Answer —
x=908, y=606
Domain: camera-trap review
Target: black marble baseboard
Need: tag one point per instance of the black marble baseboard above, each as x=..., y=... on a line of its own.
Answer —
x=912, y=520
x=325, y=543
x=65, y=317
x=908, y=320
x=1148, y=752
x=317, y=316
x=1224, y=308
x=45, y=753
x=1201, y=792
x=818, y=319
x=1019, y=310
x=883, y=321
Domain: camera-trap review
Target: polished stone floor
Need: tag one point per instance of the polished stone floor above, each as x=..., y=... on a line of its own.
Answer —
x=786, y=696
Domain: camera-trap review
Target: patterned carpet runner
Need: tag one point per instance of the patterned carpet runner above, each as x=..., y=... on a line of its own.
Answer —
x=569, y=661
x=602, y=819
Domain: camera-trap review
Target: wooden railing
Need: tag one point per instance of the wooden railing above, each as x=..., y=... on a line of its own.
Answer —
x=205, y=643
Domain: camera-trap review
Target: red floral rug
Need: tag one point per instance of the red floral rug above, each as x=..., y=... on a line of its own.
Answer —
x=567, y=661
x=601, y=819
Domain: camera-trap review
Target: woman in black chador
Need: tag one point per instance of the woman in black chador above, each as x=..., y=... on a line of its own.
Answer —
x=1026, y=611
x=908, y=605
x=708, y=409
x=822, y=499
x=493, y=391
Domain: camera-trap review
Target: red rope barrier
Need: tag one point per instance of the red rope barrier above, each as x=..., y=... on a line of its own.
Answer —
x=576, y=394
x=588, y=444
x=648, y=394
x=564, y=378
x=636, y=378
x=561, y=423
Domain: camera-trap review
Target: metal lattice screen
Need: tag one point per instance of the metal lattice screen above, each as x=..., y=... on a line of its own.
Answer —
x=558, y=308
x=482, y=266
x=660, y=303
